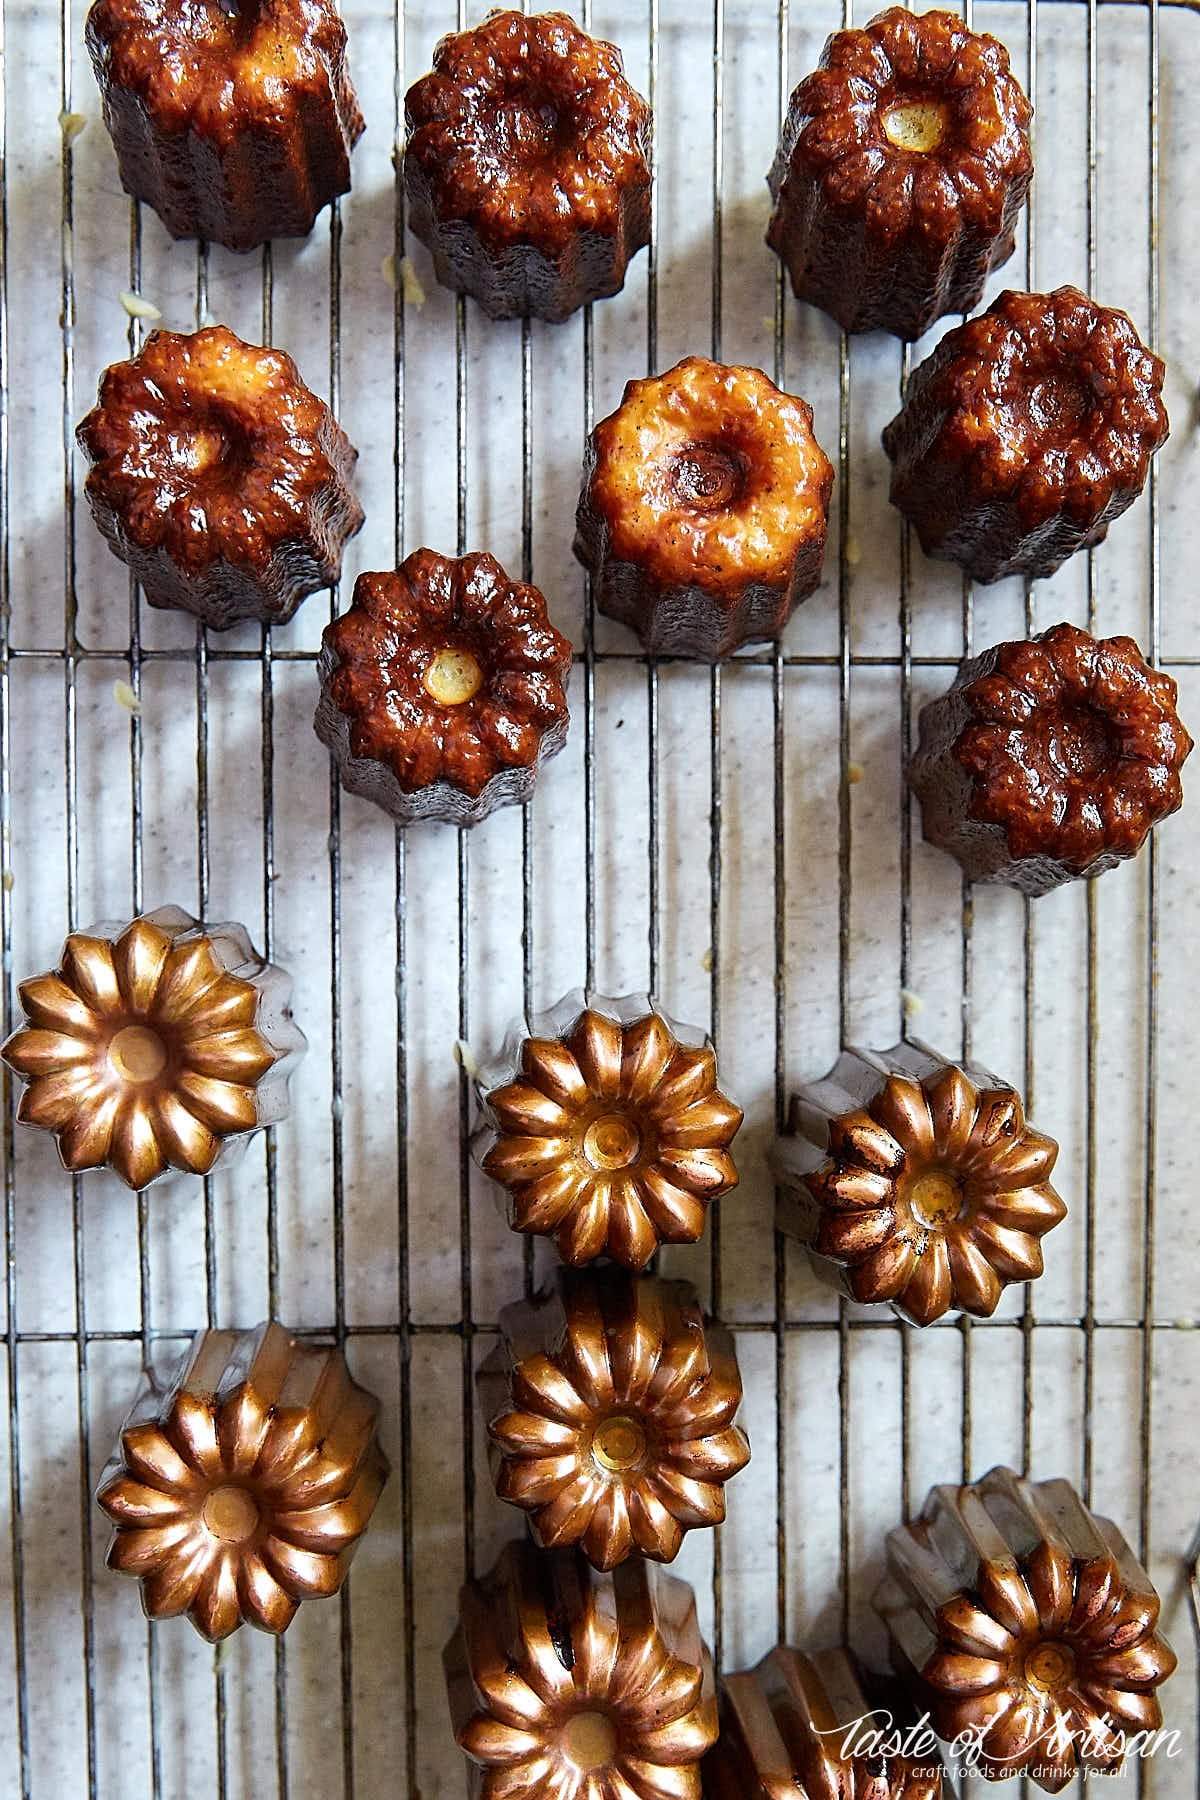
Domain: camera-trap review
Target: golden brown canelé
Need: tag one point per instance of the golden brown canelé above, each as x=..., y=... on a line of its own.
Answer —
x=916, y=1182
x=1022, y=1621
x=233, y=119
x=1026, y=433
x=443, y=688
x=155, y=1045
x=901, y=172
x=704, y=509
x=219, y=478
x=812, y=1726
x=605, y=1126
x=1049, y=759
x=527, y=165
x=610, y=1406
x=566, y=1682
x=243, y=1486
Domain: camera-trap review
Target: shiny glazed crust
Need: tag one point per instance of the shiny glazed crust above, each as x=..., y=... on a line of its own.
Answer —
x=1026, y=433
x=527, y=165
x=704, y=509
x=394, y=741
x=244, y=1487
x=219, y=478
x=880, y=234
x=1049, y=759
x=610, y=1407
x=235, y=123
x=789, y=1729
x=1018, y=1617
x=547, y=1648
x=916, y=1182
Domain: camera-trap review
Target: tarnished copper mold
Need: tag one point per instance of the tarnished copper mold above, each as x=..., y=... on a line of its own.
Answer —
x=1026, y=1626
x=901, y=172
x=243, y=1486
x=581, y=1685
x=610, y=1405
x=605, y=1127
x=1049, y=759
x=219, y=478
x=1026, y=433
x=162, y=1044
x=527, y=166
x=915, y=1181
x=802, y=1727
x=233, y=119
x=704, y=509
x=443, y=688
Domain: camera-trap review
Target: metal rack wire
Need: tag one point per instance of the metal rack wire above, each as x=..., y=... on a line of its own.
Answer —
x=419, y=1737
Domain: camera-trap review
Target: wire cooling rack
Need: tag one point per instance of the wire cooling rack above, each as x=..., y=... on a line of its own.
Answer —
x=739, y=841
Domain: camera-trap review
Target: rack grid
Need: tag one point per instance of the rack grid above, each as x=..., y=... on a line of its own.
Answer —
x=629, y=869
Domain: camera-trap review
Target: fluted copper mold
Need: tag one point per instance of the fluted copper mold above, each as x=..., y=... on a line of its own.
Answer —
x=901, y=172
x=243, y=1486
x=916, y=1181
x=443, y=688
x=580, y=1685
x=610, y=1406
x=233, y=119
x=802, y=1727
x=1049, y=759
x=1026, y=1625
x=160, y=1044
x=527, y=165
x=605, y=1127
x=704, y=509
x=1026, y=433
x=219, y=478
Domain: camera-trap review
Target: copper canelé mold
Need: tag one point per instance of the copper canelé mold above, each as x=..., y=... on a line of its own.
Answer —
x=916, y=1181
x=1026, y=1626
x=604, y=1124
x=566, y=1682
x=1049, y=759
x=233, y=119
x=802, y=1727
x=610, y=1405
x=162, y=1044
x=243, y=1486
x=902, y=169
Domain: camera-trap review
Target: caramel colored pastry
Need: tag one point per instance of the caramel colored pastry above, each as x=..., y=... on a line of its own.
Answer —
x=233, y=119
x=1049, y=759
x=804, y=1728
x=155, y=1045
x=610, y=1406
x=243, y=1487
x=704, y=509
x=901, y=172
x=579, y=1685
x=604, y=1124
x=527, y=165
x=443, y=688
x=915, y=1181
x=1026, y=433
x=1019, y=1618
x=219, y=478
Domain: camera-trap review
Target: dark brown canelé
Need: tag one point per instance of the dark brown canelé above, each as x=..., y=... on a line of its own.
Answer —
x=527, y=165
x=443, y=687
x=233, y=119
x=704, y=509
x=1049, y=759
x=219, y=478
x=1026, y=433
x=901, y=171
